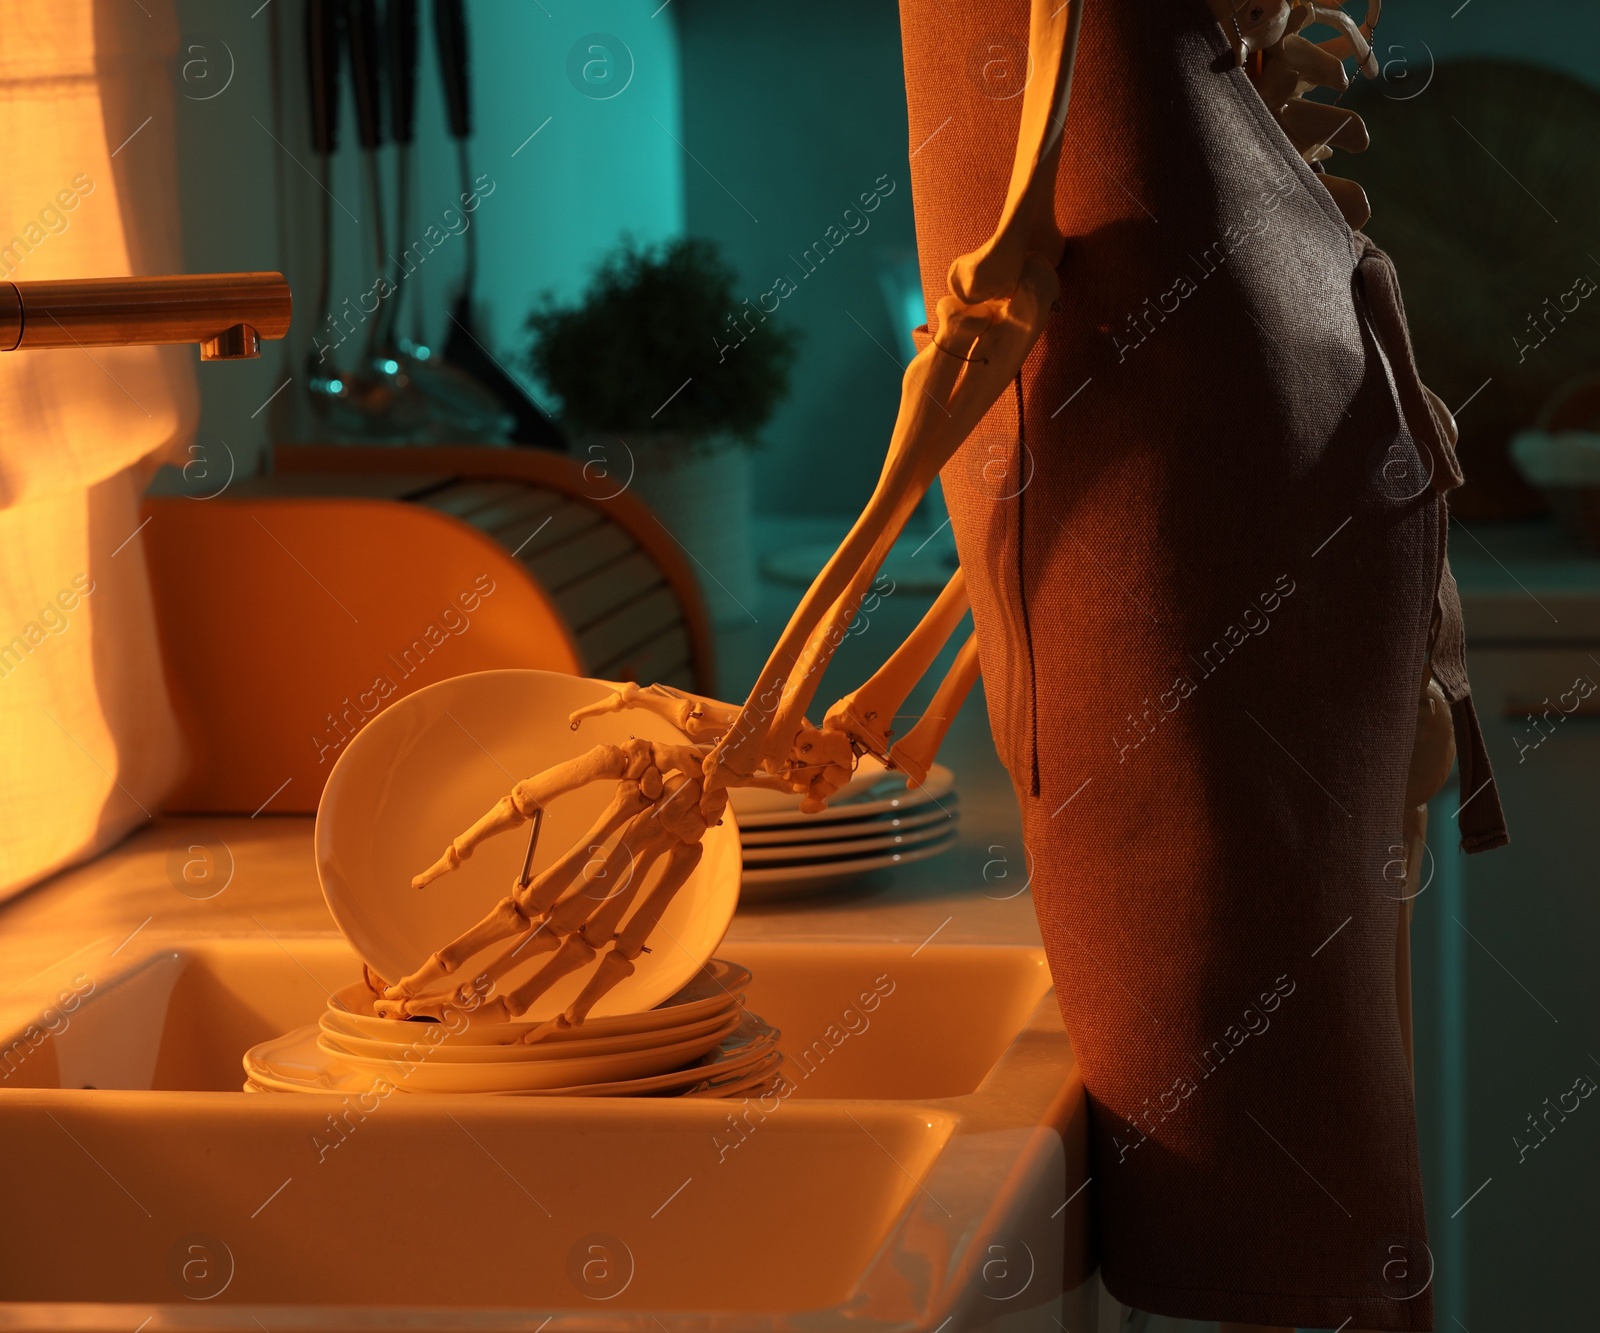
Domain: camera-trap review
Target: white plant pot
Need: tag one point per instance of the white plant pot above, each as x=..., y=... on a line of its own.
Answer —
x=702, y=497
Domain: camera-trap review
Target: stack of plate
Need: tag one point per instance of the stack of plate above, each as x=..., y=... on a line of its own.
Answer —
x=700, y=1042
x=874, y=823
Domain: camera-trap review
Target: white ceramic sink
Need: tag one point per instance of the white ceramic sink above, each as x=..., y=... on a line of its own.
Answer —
x=915, y=1178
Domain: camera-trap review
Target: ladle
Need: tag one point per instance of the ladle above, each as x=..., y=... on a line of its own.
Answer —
x=461, y=408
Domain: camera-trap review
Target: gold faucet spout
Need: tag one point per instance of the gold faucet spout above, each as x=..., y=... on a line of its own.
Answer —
x=227, y=314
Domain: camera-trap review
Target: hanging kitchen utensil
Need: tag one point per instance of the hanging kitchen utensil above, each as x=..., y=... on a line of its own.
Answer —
x=461, y=408
x=324, y=40
x=464, y=346
x=393, y=408
x=400, y=19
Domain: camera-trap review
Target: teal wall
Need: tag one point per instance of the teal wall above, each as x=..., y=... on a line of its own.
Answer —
x=1561, y=33
x=792, y=112
x=601, y=167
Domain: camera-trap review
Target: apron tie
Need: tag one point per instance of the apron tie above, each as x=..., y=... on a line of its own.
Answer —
x=1480, y=819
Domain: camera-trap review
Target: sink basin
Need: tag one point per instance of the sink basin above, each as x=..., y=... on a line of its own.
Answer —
x=934, y=1113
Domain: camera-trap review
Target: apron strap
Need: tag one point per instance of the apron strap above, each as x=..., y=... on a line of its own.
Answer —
x=1480, y=819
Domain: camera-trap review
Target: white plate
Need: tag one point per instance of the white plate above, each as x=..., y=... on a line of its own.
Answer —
x=719, y=1080
x=846, y=849
x=429, y=766
x=436, y=1043
x=801, y=835
x=764, y=801
x=790, y=881
x=426, y=1075
x=752, y=1081
x=295, y=1063
x=887, y=793
x=713, y=990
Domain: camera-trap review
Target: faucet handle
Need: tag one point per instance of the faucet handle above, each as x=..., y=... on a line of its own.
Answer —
x=238, y=342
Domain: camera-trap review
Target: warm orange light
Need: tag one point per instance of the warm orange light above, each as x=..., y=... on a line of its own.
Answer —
x=88, y=743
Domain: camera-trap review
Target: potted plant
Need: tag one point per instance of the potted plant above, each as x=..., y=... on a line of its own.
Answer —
x=666, y=378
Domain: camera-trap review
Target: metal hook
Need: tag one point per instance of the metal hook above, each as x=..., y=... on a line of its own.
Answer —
x=533, y=841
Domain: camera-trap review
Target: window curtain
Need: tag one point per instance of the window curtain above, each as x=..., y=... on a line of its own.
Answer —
x=89, y=745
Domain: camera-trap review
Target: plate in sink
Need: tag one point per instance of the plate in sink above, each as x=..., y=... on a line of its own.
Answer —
x=534, y=1073
x=432, y=764
x=296, y=1063
x=438, y=1045
x=714, y=989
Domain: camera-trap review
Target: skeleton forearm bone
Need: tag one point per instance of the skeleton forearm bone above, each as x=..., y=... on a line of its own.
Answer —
x=1000, y=296
x=1027, y=221
x=946, y=391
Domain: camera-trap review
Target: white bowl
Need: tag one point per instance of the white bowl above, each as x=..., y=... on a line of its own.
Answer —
x=428, y=767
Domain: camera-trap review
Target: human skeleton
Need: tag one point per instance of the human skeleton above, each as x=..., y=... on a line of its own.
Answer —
x=999, y=299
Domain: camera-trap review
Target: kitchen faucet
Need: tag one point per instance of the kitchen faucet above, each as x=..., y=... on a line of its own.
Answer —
x=227, y=314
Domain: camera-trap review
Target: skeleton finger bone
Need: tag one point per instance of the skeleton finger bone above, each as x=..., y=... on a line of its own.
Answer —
x=867, y=714
x=617, y=879
x=914, y=754
x=1314, y=126
x=546, y=887
x=1313, y=65
x=618, y=962
x=571, y=919
x=699, y=718
x=575, y=952
x=1354, y=38
x=1351, y=199
x=1443, y=415
x=538, y=940
x=509, y=812
x=1433, y=754
x=504, y=920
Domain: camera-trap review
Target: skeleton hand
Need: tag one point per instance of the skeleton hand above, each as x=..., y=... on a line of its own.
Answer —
x=657, y=814
x=820, y=760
